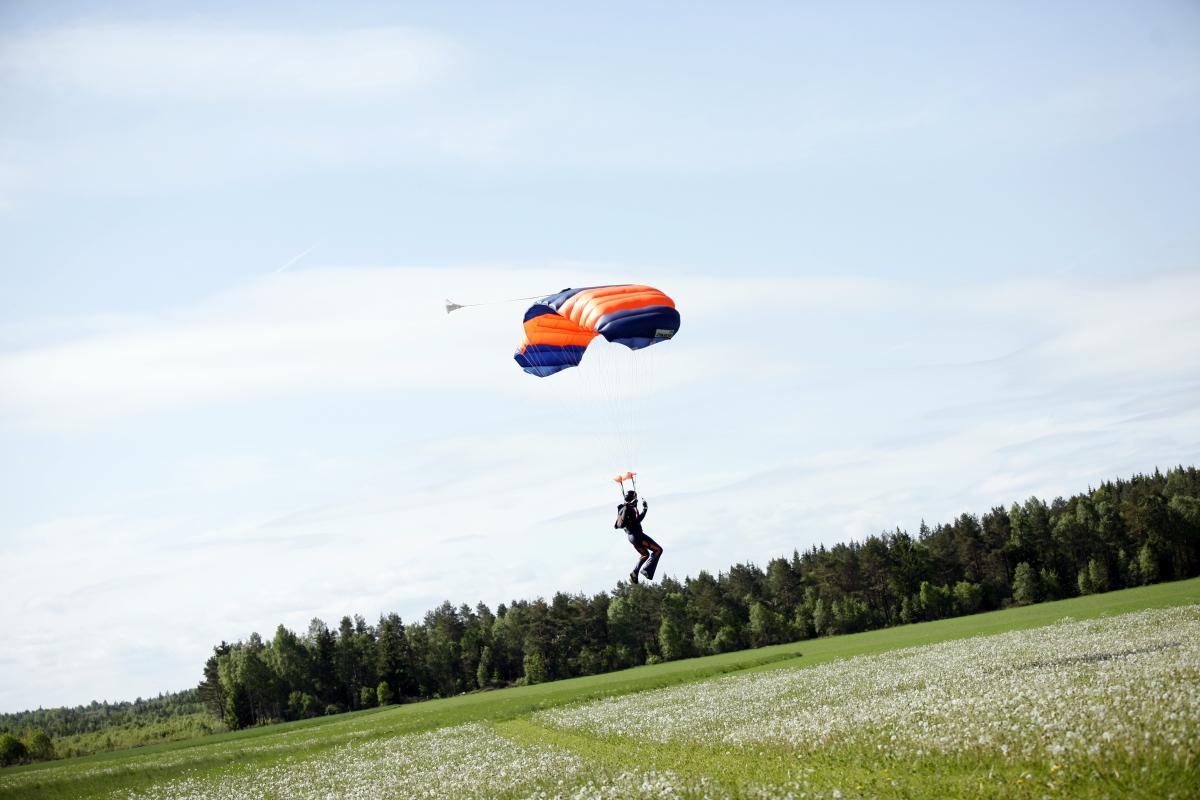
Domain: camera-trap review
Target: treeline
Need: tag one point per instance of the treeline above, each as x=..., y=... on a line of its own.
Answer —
x=1124, y=533
x=48, y=733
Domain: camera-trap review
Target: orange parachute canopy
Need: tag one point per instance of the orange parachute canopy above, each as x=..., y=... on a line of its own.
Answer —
x=558, y=328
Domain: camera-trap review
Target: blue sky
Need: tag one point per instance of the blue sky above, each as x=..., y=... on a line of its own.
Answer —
x=930, y=258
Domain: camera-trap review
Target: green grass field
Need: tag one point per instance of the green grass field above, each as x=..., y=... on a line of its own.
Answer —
x=1064, y=711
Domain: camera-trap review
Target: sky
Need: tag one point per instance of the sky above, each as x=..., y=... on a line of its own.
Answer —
x=930, y=258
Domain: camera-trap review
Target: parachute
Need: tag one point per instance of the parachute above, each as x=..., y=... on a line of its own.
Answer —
x=616, y=380
x=559, y=327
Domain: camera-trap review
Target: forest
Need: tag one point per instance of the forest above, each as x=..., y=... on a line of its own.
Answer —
x=46, y=733
x=1123, y=533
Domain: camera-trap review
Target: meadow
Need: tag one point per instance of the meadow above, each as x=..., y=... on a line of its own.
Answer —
x=1094, y=697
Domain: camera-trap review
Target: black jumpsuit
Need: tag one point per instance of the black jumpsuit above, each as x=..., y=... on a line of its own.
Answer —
x=649, y=550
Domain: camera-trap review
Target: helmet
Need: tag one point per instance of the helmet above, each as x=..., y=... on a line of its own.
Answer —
x=630, y=496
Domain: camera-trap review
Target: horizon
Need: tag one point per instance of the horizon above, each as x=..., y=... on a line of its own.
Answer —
x=928, y=259
x=684, y=580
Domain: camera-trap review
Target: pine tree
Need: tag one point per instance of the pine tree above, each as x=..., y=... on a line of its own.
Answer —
x=1025, y=585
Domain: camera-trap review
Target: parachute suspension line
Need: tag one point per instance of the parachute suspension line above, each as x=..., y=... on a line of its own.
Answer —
x=645, y=409
x=452, y=306
x=592, y=430
x=621, y=378
x=637, y=397
x=636, y=400
x=633, y=392
x=597, y=391
x=569, y=388
x=594, y=397
x=620, y=389
x=601, y=374
x=558, y=389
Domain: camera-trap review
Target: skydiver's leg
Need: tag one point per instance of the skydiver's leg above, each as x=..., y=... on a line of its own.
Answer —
x=655, y=551
x=643, y=552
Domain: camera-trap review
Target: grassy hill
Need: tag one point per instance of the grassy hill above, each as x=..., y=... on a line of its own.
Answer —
x=1046, y=737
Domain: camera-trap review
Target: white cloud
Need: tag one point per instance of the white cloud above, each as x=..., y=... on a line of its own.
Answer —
x=127, y=110
x=355, y=330
x=1127, y=329
x=348, y=330
x=156, y=62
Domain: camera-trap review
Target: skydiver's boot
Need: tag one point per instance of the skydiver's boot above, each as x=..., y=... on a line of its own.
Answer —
x=642, y=560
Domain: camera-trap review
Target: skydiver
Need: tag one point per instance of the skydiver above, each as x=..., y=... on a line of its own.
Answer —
x=629, y=519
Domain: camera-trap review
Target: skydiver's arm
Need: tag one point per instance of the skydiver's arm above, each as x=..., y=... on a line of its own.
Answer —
x=620, y=523
x=645, y=508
